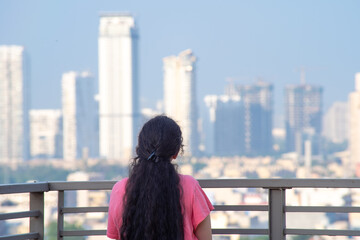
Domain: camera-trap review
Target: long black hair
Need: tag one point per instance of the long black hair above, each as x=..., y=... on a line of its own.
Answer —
x=152, y=208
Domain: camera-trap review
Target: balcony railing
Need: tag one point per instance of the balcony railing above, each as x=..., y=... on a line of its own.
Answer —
x=276, y=206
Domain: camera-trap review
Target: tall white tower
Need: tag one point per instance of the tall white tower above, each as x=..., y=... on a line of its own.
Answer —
x=180, y=96
x=118, y=86
x=14, y=105
x=79, y=116
x=354, y=136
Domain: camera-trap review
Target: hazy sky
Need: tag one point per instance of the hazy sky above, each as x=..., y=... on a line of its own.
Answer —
x=242, y=40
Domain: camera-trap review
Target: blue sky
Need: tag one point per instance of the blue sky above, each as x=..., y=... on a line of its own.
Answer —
x=242, y=40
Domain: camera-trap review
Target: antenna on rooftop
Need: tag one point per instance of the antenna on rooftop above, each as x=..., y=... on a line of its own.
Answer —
x=230, y=88
x=302, y=75
x=259, y=79
x=304, y=69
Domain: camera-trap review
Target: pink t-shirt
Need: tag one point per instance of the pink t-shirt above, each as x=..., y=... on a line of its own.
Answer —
x=196, y=207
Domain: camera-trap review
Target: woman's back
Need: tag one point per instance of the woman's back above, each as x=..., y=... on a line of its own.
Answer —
x=150, y=205
x=195, y=207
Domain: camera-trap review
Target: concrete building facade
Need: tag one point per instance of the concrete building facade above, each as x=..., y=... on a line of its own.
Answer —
x=46, y=133
x=80, y=134
x=14, y=104
x=241, y=120
x=228, y=123
x=118, y=86
x=180, y=97
x=336, y=123
x=258, y=120
x=354, y=136
x=303, y=117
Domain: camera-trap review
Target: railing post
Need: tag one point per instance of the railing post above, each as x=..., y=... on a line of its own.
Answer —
x=60, y=227
x=277, y=220
x=37, y=204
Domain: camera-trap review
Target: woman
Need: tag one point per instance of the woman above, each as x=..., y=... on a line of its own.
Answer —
x=155, y=202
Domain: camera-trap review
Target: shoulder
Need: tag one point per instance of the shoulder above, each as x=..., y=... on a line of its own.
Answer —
x=188, y=181
x=187, y=178
x=117, y=192
x=120, y=185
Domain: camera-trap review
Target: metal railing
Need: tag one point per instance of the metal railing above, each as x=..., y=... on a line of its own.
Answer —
x=276, y=207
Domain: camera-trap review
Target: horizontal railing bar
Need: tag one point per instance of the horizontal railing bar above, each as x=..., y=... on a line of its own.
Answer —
x=84, y=209
x=217, y=208
x=82, y=233
x=7, y=216
x=21, y=236
x=241, y=208
x=322, y=209
x=280, y=183
x=322, y=232
x=24, y=188
x=82, y=185
x=206, y=183
x=225, y=183
x=246, y=231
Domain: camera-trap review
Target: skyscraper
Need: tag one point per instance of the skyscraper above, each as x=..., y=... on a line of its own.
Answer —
x=258, y=103
x=226, y=135
x=118, y=86
x=303, y=117
x=354, y=136
x=79, y=116
x=180, y=97
x=45, y=133
x=336, y=123
x=242, y=120
x=14, y=105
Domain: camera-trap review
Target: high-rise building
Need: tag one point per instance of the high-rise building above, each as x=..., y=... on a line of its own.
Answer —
x=180, y=97
x=354, y=130
x=80, y=135
x=336, y=123
x=226, y=135
x=14, y=105
x=46, y=133
x=303, y=117
x=118, y=86
x=258, y=103
x=241, y=120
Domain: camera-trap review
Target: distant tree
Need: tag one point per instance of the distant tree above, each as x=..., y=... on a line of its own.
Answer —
x=252, y=174
x=3, y=228
x=39, y=173
x=51, y=231
x=285, y=173
x=331, y=147
x=198, y=166
x=254, y=238
x=110, y=172
x=267, y=238
x=302, y=237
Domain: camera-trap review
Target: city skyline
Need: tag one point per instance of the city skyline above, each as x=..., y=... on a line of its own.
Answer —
x=119, y=87
x=259, y=42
